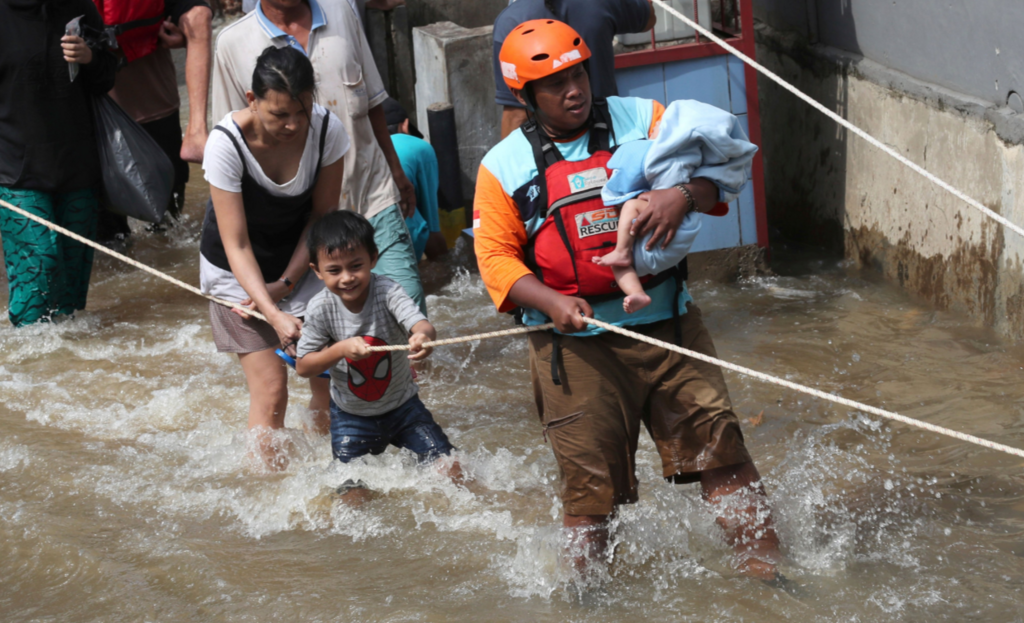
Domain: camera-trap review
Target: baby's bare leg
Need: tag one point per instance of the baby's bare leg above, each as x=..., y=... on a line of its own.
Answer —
x=623, y=253
x=636, y=299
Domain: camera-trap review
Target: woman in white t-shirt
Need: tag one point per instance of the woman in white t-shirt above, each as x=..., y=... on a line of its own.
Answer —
x=273, y=168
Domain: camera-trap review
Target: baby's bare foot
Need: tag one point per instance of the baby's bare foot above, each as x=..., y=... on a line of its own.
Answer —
x=619, y=258
x=635, y=302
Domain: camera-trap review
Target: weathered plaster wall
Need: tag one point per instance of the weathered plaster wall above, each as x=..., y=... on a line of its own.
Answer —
x=973, y=47
x=467, y=13
x=453, y=64
x=826, y=186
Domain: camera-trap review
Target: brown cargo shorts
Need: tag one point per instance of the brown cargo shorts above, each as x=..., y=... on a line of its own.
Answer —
x=610, y=384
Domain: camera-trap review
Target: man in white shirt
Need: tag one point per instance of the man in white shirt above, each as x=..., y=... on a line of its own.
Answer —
x=348, y=84
x=359, y=6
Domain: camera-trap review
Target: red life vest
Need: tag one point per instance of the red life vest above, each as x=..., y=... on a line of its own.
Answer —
x=576, y=226
x=135, y=23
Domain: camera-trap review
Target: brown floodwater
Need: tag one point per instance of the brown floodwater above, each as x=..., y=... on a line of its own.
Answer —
x=125, y=493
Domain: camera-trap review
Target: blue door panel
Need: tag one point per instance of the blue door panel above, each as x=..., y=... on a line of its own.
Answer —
x=745, y=202
x=645, y=81
x=737, y=86
x=748, y=215
x=703, y=79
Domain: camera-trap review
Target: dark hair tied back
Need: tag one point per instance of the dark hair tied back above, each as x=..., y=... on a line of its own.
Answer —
x=285, y=70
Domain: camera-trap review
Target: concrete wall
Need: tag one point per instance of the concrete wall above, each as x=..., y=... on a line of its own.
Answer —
x=390, y=39
x=825, y=186
x=390, y=36
x=453, y=64
x=973, y=47
x=467, y=13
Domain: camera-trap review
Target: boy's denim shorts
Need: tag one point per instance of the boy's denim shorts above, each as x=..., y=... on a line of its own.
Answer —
x=408, y=426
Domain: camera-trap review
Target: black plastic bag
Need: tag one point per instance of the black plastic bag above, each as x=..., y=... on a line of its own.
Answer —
x=138, y=177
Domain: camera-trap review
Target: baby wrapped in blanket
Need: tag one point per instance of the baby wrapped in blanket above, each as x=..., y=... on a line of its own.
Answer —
x=693, y=140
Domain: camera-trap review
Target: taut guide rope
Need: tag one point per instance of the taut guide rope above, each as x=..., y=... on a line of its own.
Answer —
x=520, y=330
x=467, y=338
x=843, y=122
x=767, y=378
x=724, y=364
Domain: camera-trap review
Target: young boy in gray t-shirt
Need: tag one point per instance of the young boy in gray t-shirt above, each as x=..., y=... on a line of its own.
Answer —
x=374, y=400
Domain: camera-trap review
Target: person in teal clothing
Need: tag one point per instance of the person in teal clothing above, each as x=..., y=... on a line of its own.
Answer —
x=48, y=159
x=420, y=165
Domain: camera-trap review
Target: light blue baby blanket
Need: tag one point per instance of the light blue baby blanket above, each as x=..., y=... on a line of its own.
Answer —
x=695, y=140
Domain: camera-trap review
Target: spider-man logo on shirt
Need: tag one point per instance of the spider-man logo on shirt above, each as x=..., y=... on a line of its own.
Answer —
x=369, y=378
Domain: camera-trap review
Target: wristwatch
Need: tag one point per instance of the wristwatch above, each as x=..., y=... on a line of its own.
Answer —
x=691, y=203
x=287, y=282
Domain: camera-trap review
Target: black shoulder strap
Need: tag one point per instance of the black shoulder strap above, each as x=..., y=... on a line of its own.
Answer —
x=545, y=154
x=241, y=156
x=323, y=137
x=119, y=29
x=600, y=126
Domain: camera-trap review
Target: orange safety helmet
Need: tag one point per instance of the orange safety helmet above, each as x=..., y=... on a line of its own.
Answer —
x=539, y=48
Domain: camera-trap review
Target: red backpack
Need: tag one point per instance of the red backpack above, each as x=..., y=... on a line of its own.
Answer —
x=133, y=23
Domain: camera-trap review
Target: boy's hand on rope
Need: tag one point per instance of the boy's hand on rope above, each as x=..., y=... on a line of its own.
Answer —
x=421, y=332
x=416, y=350
x=354, y=348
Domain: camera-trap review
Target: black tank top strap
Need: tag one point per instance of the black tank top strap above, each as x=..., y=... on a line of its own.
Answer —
x=238, y=148
x=323, y=141
x=274, y=223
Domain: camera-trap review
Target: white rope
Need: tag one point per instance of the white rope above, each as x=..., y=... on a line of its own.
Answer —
x=467, y=338
x=519, y=330
x=128, y=260
x=767, y=378
x=843, y=122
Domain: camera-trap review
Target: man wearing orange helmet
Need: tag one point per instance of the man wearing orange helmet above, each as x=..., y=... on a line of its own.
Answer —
x=538, y=221
x=597, y=21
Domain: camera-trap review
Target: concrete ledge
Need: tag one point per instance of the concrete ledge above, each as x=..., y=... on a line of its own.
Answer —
x=728, y=265
x=826, y=187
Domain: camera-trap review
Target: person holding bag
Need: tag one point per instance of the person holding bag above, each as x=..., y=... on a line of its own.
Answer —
x=48, y=153
x=274, y=168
